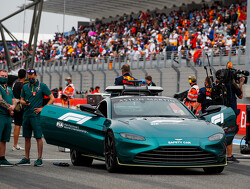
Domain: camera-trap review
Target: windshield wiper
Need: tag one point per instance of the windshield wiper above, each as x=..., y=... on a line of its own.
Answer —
x=158, y=116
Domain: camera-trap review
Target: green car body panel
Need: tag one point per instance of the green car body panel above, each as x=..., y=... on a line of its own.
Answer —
x=86, y=133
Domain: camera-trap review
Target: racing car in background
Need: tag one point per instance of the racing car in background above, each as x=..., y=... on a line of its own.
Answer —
x=135, y=127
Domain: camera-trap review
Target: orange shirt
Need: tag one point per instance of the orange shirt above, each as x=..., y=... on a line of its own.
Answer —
x=160, y=38
x=186, y=37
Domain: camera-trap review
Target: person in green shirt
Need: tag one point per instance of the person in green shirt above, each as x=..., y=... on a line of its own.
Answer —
x=32, y=100
x=7, y=106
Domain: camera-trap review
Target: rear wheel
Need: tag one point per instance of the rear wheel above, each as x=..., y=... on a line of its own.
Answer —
x=78, y=160
x=110, y=153
x=213, y=170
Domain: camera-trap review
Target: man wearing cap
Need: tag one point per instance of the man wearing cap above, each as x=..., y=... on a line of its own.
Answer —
x=192, y=95
x=6, y=110
x=68, y=92
x=126, y=78
x=32, y=100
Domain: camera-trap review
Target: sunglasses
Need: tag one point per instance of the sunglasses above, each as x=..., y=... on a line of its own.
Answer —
x=30, y=71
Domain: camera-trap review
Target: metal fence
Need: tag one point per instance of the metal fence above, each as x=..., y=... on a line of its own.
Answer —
x=218, y=57
x=172, y=59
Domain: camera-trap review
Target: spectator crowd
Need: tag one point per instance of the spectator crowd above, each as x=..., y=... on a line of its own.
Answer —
x=211, y=28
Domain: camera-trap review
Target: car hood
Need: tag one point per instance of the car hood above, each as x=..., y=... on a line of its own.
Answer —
x=167, y=127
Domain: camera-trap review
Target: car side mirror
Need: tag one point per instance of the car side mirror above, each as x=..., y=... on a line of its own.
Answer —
x=210, y=110
x=213, y=109
x=90, y=109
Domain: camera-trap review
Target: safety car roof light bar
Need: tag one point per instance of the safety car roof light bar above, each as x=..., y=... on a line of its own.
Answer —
x=134, y=90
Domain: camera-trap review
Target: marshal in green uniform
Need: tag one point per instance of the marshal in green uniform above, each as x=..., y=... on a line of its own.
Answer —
x=32, y=100
x=5, y=123
x=6, y=111
x=34, y=95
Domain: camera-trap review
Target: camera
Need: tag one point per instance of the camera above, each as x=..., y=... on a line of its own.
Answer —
x=224, y=78
x=227, y=75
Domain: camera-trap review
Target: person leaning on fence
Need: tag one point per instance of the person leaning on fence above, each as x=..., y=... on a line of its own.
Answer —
x=68, y=92
x=7, y=106
x=197, y=56
x=126, y=78
x=192, y=95
x=32, y=99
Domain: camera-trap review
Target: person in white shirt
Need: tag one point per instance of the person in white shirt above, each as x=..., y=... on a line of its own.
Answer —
x=228, y=43
x=152, y=45
x=173, y=37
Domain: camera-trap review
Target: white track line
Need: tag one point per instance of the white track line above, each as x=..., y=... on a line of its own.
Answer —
x=42, y=159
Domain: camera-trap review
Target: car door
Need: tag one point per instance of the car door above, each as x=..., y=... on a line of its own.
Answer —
x=73, y=129
x=224, y=118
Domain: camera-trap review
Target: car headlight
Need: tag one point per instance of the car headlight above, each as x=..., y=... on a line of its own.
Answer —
x=132, y=136
x=215, y=137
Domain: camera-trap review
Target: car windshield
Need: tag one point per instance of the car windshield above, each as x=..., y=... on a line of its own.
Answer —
x=148, y=107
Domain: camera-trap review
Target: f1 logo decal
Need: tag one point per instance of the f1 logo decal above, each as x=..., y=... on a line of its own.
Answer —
x=243, y=119
x=80, y=119
x=218, y=118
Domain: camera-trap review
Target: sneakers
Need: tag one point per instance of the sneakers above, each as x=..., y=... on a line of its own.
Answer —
x=17, y=148
x=232, y=159
x=5, y=163
x=38, y=163
x=24, y=161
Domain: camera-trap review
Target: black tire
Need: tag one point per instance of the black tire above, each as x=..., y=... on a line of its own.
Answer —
x=213, y=170
x=78, y=160
x=110, y=153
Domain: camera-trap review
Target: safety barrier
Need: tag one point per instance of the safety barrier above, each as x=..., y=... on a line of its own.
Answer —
x=242, y=119
x=58, y=102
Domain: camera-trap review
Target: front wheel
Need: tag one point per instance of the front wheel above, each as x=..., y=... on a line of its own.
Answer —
x=110, y=153
x=78, y=160
x=213, y=170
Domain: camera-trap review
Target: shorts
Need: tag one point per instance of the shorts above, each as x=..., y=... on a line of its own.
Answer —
x=32, y=124
x=18, y=118
x=5, y=129
x=230, y=136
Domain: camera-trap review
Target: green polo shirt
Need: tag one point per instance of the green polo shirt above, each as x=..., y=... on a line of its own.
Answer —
x=34, y=94
x=7, y=97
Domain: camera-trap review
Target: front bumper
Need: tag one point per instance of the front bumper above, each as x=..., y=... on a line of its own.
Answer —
x=165, y=152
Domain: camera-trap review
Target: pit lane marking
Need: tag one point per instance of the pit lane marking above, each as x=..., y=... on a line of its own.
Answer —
x=42, y=159
x=237, y=141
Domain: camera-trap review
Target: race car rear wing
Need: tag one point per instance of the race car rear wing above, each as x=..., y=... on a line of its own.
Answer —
x=134, y=90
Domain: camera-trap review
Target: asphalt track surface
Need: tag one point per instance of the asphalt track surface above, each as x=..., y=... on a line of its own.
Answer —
x=235, y=175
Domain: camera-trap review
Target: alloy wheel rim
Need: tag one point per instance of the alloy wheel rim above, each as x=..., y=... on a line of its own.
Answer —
x=109, y=152
x=73, y=156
